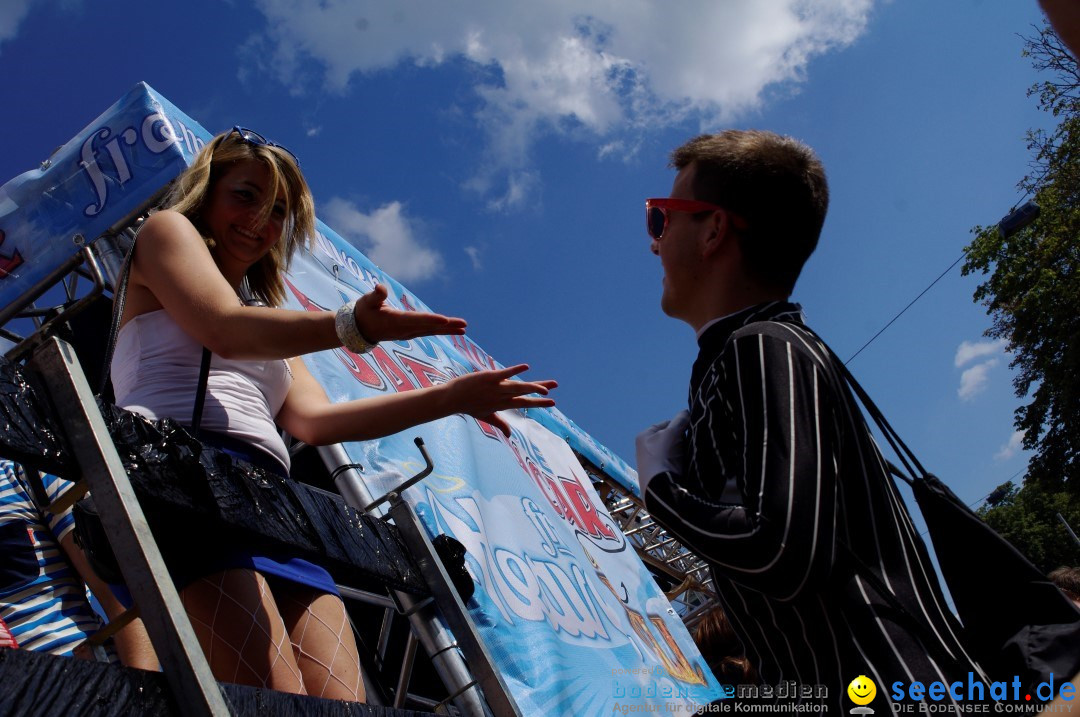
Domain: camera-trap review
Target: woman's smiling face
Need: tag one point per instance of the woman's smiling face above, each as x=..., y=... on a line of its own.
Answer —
x=232, y=214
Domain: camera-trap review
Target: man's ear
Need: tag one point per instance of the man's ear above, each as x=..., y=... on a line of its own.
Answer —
x=717, y=233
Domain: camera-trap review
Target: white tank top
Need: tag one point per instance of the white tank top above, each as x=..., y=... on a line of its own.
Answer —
x=155, y=372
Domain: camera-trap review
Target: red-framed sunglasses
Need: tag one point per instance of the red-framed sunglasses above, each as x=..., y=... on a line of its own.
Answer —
x=657, y=208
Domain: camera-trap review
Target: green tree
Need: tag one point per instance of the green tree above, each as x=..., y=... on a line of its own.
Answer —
x=1031, y=288
x=1028, y=518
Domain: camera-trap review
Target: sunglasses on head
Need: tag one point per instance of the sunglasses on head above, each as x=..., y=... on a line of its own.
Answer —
x=252, y=137
x=656, y=212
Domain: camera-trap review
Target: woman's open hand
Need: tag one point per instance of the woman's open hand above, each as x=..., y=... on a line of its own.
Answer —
x=379, y=322
x=483, y=393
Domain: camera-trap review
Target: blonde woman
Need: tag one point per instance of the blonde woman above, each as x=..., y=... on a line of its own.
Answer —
x=238, y=213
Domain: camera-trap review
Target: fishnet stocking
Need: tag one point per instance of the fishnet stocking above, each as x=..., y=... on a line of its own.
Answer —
x=241, y=631
x=322, y=640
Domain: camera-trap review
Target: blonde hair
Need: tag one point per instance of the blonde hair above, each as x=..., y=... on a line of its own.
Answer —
x=190, y=192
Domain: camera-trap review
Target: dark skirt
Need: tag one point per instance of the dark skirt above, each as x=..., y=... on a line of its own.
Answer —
x=196, y=555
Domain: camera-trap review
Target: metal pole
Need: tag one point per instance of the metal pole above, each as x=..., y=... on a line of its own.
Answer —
x=436, y=640
x=185, y=667
x=453, y=609
x=1069, y=528
x=402, y=689
x=111, y=254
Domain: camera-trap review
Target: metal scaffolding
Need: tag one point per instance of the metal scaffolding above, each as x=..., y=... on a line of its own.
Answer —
x=683, y=574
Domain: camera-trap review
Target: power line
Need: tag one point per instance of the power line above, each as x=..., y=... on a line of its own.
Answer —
x=1014, y=221
x=879, y=333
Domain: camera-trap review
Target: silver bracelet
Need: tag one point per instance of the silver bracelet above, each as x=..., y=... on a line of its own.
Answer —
x=348, y=332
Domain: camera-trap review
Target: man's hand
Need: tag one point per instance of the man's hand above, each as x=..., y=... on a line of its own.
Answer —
x=379, y=322
x=662, y=448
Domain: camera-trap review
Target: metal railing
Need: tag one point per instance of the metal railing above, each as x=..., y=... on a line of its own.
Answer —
x=441, y=625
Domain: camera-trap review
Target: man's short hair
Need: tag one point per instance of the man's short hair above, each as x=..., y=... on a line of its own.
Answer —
x=1068, y=580
x=777, y=184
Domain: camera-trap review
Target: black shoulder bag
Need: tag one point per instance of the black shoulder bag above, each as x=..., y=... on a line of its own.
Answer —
x=1016, y=622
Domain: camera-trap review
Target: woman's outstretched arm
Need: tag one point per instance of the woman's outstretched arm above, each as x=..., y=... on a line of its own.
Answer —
x=308, y=415
x=174, y=270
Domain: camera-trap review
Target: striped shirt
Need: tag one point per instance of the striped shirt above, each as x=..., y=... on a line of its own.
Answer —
x=774, y=424
x=42, y=600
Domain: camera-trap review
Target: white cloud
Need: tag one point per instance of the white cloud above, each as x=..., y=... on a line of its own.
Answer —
x=973, y=380
x=970, y=350
x=314, y=131
x=618, y=149
x=1008, y=450
x=522, y=188
x=387, y=237
x=12, y=13
x=474, y=256
x=593, y=69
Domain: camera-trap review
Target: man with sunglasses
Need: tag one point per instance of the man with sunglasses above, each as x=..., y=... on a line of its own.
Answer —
x=772, y=474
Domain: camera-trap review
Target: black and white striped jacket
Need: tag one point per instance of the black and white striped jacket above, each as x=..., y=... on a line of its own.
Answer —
x=782, y=479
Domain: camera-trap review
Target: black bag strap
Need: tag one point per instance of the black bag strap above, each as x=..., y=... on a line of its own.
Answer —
x=119, y=300
x=916, y=472
x=200, y=393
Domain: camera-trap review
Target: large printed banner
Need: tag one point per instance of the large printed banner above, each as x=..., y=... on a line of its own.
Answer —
x=575, y=622
x=97, y=179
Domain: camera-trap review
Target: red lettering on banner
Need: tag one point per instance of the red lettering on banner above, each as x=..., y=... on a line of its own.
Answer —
x=489, y=430
x=427, y=375
x=307, y=303
x=479, y=358
x=424, y=373
x=360, y=369
x=549, y=488
x=356, y=365
x=584, y=510
x=8, y=264
x=398, y=378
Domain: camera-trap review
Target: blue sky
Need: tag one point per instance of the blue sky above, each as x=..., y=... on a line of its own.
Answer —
x=494, y=156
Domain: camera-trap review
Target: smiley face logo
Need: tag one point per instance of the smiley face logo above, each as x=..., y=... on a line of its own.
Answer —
x=862, y=690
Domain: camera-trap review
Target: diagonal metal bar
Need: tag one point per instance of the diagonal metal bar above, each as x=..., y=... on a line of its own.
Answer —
x=185, y=667
x=453, y=610
x=438, y=642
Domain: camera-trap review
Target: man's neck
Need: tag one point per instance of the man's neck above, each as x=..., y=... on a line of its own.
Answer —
x=726, y=305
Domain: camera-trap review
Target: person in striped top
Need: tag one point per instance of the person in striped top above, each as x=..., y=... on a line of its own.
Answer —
x=772, y=474
x=43, y=597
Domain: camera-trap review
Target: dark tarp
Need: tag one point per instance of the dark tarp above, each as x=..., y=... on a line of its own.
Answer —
x=169, y=469
x=185, y=487
x=25, y=434
x=39, y=684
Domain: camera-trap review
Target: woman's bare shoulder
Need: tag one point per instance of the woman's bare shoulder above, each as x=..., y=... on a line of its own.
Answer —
x=166, y=220
x=167, y=232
